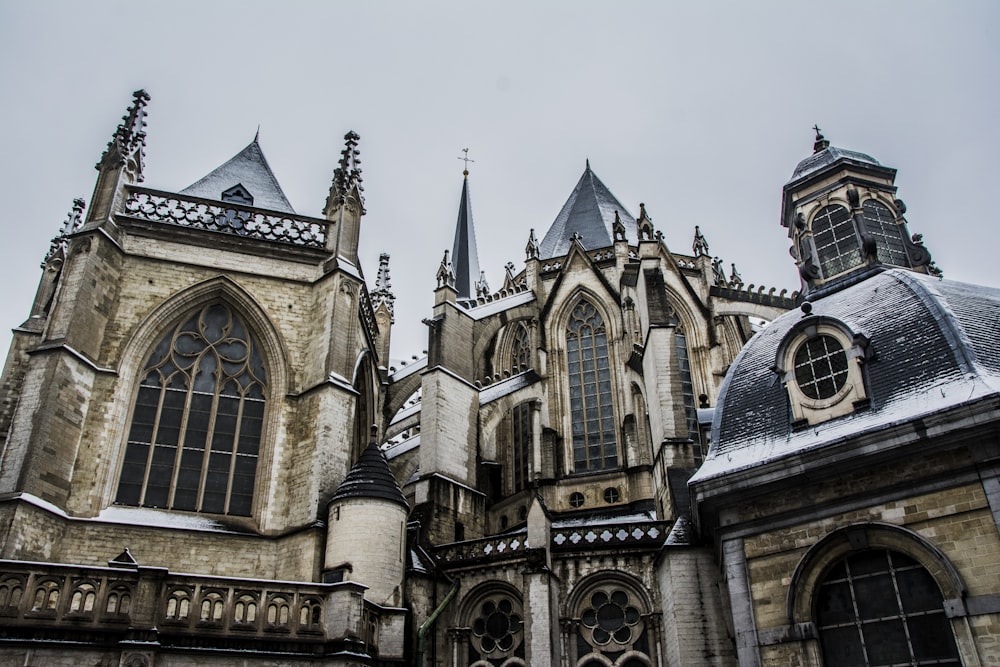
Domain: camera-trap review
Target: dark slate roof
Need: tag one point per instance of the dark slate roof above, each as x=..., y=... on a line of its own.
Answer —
x=935, y=348
x=826, y=157
x=370, y=478
x=589, y=212
x=464, y=256
x=248, y=168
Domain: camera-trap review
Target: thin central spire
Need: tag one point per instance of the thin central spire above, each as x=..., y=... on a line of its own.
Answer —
x=464, y=255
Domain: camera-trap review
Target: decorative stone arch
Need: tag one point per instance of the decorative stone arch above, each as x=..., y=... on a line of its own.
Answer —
x=508, y=339
x=493, y=616
x=493, y=414
x=402, y=390
x=148, y=333
x=485, y=330
x=801, y=598
x=723, y=307
x=629, y=624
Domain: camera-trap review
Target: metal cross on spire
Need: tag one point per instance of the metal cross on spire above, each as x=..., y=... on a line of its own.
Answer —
x=466, y=159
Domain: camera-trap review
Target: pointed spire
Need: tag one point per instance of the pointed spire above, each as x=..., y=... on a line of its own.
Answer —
x=383, y=289
x=464, y=255
x=700, y=244
x=129, y=137
x=74, y=221
x=249, y=170
x=482, y=287
x=820, y=143
x=446, y=273
x=531, y=250
x=347, y=175
x=370, y=477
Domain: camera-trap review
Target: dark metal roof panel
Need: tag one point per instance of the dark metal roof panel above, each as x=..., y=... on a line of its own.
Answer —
x=826, y=157
x=370, y=478
x=589, y=212
x=248, y=168
x=464, y=254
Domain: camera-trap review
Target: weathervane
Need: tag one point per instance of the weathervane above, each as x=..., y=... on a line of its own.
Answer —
x=466, y=159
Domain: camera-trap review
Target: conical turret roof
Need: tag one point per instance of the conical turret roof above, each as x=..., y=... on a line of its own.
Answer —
x=248, y=168
x=589, y=212
x=370, y=478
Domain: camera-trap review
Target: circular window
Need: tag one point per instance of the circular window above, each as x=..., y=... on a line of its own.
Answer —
x=497, y=626
x=576, y=499
x=821, y=367
x=612, y=495
x=611, y=617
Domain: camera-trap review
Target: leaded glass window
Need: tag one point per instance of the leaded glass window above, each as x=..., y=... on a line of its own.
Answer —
x=613, y=622
x=820, y=367
x=520, y=445
x=837, y=244
x=591, y=412
x=196, y=425
x=881, y=224
x=883, y=608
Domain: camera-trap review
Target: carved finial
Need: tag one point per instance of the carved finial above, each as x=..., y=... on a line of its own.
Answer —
x=482, y=287
x=700, y=244
x=821, y=143
x=446, y=273
x=465, y=158
x=128, y=139
x=588, y=165
x=718, y=273
x=644, y=224
x=347, y=175
x=532, y=250
x=73, y=222
x=383, y=288
x=735, y=280
x=618, y=229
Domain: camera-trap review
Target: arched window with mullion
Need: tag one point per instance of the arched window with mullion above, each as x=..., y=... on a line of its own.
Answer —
x=595, y=445
x=196, y=426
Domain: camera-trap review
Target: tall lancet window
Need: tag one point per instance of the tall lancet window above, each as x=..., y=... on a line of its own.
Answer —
x=591, y=412
x=196, y=426
x=520, y=352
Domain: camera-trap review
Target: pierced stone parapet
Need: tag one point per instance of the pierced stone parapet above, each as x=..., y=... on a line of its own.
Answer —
x=227, y=218
x=610, y=536
x=493, y=548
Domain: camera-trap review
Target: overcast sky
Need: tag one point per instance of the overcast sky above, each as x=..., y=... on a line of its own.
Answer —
x=700, y=110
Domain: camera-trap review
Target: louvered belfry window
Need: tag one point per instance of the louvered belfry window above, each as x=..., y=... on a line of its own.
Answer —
x=591, y=412
x=196, y=426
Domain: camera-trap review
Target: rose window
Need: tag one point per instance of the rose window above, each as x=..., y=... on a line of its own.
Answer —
x=497, y=626
x=611, y=617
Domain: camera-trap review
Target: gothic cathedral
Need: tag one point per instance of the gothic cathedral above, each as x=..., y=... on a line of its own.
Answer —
x=622, y=457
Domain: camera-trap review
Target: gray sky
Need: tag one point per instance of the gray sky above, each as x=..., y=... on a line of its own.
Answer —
x=700, y=110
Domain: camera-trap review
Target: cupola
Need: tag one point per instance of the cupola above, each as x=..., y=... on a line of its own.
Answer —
x=844, y=219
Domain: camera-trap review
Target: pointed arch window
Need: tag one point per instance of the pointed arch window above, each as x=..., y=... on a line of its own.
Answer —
x=520, y=419
x=837, y=244
x=881, y=224
x=591, y=410
x=520, y=350
x=196, y=425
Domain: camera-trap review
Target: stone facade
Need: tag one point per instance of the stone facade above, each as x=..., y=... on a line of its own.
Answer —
x=203, y=382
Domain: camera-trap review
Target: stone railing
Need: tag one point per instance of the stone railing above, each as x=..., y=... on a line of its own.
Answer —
x=73, y=603
x=225, y=217
x=610, y=536
x=496, y=547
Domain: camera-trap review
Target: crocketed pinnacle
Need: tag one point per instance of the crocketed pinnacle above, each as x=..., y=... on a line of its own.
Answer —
x=347, y=175
x=129, y=137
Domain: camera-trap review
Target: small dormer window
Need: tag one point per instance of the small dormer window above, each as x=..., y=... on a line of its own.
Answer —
x=820, y=367
x=881, y=224
x=837, y=244
x=238, y=195
x=820, y=364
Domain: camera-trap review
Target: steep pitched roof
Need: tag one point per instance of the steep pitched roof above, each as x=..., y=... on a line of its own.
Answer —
x=248, y=168
x=589, y=212
x=370, y=478
x=464, y=255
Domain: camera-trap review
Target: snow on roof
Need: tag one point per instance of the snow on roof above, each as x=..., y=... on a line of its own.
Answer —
x=248, y=168
x=934, y=345
x=500, y=305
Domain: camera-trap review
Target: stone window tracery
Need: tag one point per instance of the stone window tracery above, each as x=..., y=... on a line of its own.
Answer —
x=880, y=607
x=613, y=627
x=197, y=420
x=497, y=631
x=520, y=350
x=594, y=439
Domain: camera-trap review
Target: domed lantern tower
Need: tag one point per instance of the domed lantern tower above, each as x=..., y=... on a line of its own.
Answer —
x=845, y=221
